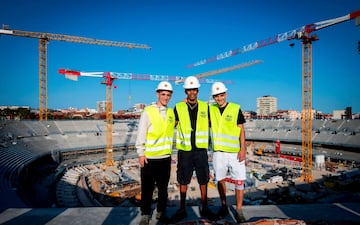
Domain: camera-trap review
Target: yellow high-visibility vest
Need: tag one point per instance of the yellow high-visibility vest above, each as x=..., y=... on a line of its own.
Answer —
x=159, y=140
x=183, y=136
x=225, y=133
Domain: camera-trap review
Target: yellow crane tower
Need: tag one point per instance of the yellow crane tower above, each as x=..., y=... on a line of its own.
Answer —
x=44, y=38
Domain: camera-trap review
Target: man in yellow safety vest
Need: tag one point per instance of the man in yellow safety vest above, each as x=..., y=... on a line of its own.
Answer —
x=228, y=140
x=154, y=144
x=192, y=141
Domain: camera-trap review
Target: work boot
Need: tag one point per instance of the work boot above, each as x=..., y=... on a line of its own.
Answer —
x=206, y=213
x=162, y=218
x=223, y=212
x=179, y=215
x=239, y=216
x=144, y=220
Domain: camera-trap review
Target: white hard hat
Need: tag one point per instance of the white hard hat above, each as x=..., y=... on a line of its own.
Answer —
x=218, y=88
x=191, y=83
x=164, y=86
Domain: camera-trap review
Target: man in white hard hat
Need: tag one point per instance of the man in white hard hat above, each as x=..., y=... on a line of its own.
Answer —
x=154, y=144
x=228, y=143
x=192, y=140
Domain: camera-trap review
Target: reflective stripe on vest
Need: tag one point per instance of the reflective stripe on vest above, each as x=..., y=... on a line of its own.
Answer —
x=224, y=130
x=183, y=136
x=159, y=140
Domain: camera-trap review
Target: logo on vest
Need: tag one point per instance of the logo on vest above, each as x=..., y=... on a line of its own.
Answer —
x=228, y=118
x=203, y=114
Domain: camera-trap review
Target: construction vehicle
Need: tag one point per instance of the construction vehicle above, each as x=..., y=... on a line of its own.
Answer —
x=108, y=81
x=304, y=34
x=44, y=38
x=211, y=184
x=260, y=150
x=138, y=196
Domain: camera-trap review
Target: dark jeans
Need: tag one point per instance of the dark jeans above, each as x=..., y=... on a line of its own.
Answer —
x=155, y=172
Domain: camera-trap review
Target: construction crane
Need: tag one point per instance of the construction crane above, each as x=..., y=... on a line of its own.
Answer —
x=109, y=77
x=74, y=74
x=304, y=34
x=223, y=70
x=108, y=82
x=44, y=38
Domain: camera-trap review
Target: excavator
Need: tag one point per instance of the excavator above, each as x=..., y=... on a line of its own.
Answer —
x=260, y=150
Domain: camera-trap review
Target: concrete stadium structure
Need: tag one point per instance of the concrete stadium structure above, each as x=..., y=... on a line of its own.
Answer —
x=330, y=133
x=35, y=155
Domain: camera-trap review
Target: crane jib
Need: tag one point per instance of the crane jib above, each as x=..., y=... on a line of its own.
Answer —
x=289, y=35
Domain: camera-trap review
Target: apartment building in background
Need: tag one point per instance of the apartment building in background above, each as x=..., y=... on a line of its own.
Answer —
x=266, y=105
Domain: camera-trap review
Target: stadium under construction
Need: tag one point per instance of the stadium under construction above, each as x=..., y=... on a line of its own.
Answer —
x=49, y=167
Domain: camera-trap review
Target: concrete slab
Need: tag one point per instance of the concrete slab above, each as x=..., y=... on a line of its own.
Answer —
x=321, y=214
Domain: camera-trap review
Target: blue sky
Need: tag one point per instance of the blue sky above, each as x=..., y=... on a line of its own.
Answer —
x=180, y=33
